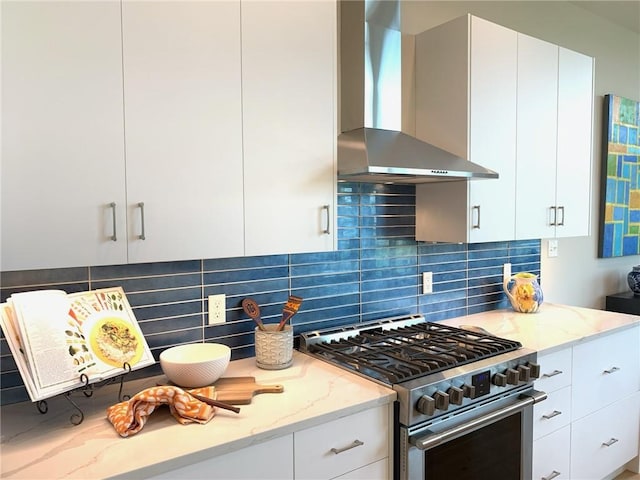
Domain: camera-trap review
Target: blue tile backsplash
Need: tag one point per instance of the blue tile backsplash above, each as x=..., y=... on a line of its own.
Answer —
x=376, y=272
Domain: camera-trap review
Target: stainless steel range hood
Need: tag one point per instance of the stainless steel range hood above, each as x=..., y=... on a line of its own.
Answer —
x=371, y=147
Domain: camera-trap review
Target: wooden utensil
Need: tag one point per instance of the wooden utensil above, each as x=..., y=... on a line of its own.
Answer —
x=290, y=309
x=215, y=403
x=241, y=390
x=252, y=309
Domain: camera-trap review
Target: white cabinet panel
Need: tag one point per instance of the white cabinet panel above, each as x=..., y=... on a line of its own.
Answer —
x=604, y=370
x=374, y=471
x=466, y=104
x=183, y=129
x=552, y=414
x=288, y=88
x=551, y=456
x=555, y=370
x=342, y=445
x=575, y=127
x=606, y=440
x=537, y=127
x=62, y=135
x=272, y=459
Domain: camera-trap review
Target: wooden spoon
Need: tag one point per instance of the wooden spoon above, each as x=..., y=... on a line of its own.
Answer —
x=290, y=309
x=252, y=309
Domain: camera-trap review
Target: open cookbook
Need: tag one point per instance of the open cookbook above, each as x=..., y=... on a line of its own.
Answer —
x=57, y=338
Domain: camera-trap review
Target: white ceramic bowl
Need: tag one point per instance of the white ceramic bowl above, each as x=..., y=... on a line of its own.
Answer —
x=196, y=364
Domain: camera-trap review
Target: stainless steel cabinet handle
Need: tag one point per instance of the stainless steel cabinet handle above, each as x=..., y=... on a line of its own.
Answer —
x=477, y=209
x=561, y=222
x=555, y=413
x=327, y=230
x=611, y=370
x=114, y=237
x=553, y=475
x=356, y=443
x=553, y=210
x=552, y=374
x=141, y=236
x=610, y=442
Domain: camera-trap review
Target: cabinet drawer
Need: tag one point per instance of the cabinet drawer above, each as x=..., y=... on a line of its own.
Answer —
x=555, y=371
x=374, y=471
x=551, y=455
x=605, y=370
x=553, y=413
x=616, y=425
x=342, y=445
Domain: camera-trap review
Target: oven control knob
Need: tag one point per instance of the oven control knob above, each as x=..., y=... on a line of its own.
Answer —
x=426, y=405
x=513, y=376
x=525, y=373
x=535, y=369
x=456, y=395
x=469, y=391
x=500, y=379
x=442, y=400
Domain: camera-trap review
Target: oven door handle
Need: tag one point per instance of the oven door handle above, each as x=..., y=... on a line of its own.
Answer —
x=433, y=439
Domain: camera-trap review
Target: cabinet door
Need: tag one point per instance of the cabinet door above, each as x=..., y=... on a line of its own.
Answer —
x=288, y=86
x=604, y=370
x=551, y=456
x=62, y=135
x=272, y=459
x=183, y=129
x=575, y=114
x=492, y=130
x=536, y=137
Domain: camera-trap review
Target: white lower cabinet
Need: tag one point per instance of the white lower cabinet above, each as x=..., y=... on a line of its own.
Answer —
x=589, y=425
x=344, y=445
x=355, y=447
x=272, y=459
x=551, y=455
x=605, y=440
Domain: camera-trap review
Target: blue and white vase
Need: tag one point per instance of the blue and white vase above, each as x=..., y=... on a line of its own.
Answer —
x=633, y=279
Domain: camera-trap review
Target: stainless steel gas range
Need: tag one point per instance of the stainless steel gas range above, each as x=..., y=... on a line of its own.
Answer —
x=464, y=397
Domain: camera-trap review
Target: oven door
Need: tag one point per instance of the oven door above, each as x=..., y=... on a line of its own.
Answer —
x=490, y=441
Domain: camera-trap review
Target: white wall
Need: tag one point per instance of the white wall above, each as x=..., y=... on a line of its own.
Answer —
x=576, y=276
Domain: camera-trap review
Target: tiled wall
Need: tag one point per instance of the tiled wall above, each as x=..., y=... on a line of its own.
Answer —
x=376, y=272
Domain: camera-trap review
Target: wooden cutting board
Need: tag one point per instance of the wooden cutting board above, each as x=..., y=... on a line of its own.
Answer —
x=240, y=390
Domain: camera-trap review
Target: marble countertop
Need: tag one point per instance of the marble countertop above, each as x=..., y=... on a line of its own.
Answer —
x=49, y=446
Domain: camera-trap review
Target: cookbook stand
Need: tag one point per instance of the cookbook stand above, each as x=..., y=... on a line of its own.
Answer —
x=87, y=389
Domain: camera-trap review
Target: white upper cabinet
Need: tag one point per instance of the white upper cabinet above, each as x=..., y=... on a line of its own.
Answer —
x=182, y=106
x=62, y=135
x=555, y=102
x=575, y=140
x=466, y=79
x=537, y=127
x=289, y=121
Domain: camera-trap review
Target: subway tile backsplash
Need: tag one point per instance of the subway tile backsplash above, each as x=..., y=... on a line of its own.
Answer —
x=376, y=272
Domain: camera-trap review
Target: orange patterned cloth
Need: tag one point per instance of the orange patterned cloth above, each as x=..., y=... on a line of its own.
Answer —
x=129, y=417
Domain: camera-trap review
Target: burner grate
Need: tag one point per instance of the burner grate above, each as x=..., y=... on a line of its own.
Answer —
x=407, y=352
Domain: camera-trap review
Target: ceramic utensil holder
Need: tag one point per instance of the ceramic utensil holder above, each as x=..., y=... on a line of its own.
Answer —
x=274, y=348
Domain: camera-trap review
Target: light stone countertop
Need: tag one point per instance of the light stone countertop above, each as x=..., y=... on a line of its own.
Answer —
x=49, y=446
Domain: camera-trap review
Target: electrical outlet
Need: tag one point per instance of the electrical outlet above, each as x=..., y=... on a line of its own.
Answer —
x=506, y=271
x=552, y=250
x=427, y=282
x=217, y=309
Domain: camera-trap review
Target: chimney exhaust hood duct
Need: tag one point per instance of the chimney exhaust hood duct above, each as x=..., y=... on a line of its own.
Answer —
x=371, y=147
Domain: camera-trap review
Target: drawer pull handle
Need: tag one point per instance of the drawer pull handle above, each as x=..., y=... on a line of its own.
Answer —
x=610, y=442
x=554, y=474
x=611, y=370
x=555, y=413
x=477, y=209
x=356, y=443
x=553, y=374
x=113, y=237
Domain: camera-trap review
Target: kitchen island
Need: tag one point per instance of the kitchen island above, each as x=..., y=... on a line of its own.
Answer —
x=49, y=446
